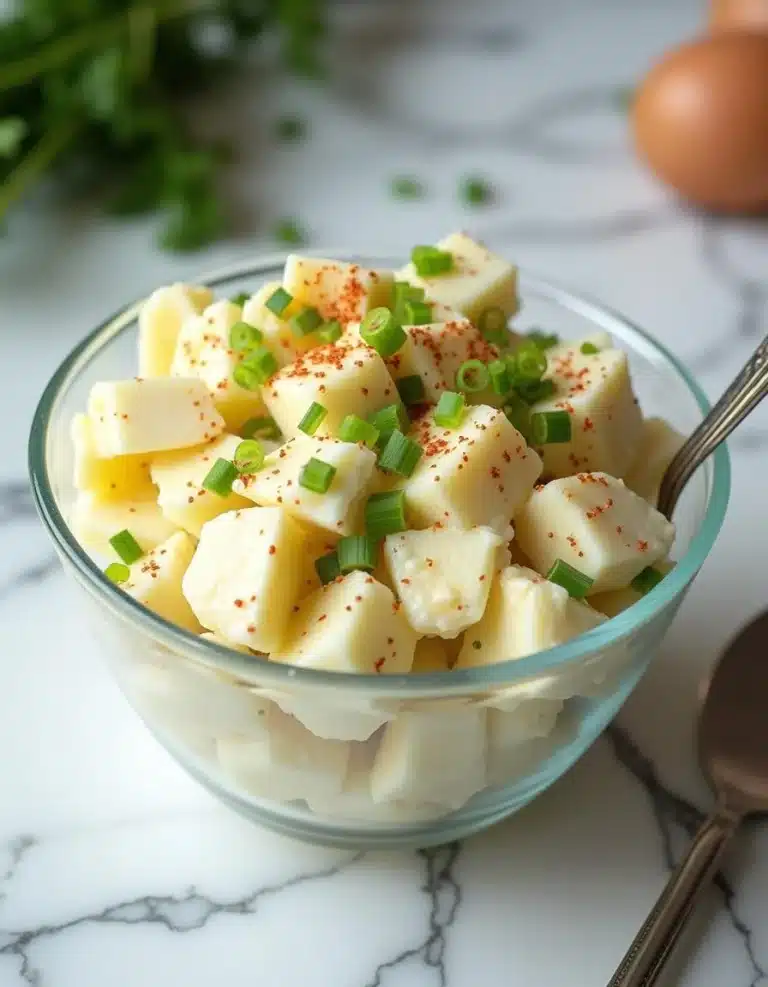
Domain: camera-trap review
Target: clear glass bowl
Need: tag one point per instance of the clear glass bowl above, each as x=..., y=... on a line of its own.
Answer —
x=318, y=755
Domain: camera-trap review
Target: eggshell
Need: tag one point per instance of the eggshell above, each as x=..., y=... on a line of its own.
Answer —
x=700, y=121
x=729, y=15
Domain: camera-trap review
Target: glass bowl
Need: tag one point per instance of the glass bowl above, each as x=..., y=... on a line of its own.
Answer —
x=335, y=758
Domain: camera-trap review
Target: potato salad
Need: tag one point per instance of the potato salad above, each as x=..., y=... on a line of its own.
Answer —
x=370, y=471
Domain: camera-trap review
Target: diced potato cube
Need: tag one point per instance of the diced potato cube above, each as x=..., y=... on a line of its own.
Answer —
x=606, y=422
x=160, y=320
x=479, y=279
x=117, y=478
x=478, y=474
x=246, y=574
x=418, y=356
x=443, y=576
x=332, y=720
x=179, y=477
x=512, y=756
x=431, y=655
x=339, y=509
x=156, y=580
x=458, y=341
x=278, y=335
x=659, y=444
x=289, y=763
x=596, y=524
x=615, y=601
x=432, y=757
x=351, y=625
x=203, y=351
x=532, y=718
x=348, y=378
x=152, y=415
x=337, y=290
x=95, y=521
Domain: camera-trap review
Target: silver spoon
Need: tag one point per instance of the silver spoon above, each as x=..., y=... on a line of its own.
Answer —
x=733, y=747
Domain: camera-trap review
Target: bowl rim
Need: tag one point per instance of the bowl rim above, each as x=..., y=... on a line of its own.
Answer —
x=223, y=658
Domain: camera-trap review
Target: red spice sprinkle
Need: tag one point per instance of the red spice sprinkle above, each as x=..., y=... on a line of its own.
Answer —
x=348, y=608
x=405, y=582
x=239, y=603
x=272, y=549
x=481, y=578
x=379, y=664
x=642, y=546
x=588, y=425
x=358, y=599
x=550, y=534
x=295, y=609
x=619, y=529
x=322, y=617
x=390, y=640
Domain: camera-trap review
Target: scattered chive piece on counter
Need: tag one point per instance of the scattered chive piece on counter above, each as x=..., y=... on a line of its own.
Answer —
x=518, y=414
x=329, y=332
x=472, y=376
x=288, y=232
x=417, y=313
x=249, y=457
x=431, y=261
x=357, y=552
x=411, y=389
x=385, y=514
x=117, y=572
x=306, y=321
x=278, y=301
x=532, y=391
x=407, y=187
x=240, y=298
x=493, y=325
x=577, y=583
x=382, y=331
x=449, y=412
x=260, y=428
x=327, y=568
x=589, y=349
x=126, y=547
x=220, y=478
x=475, y=191
x=400, y=455
x=354, y=429
x=317, y=476
x=530, y=361
x=243, y=337
x=256, y=369
x=501, y=379
x=646, y=580
x=549, y=427
x=544, y=340
x=387, y=420
x=312, y=419
x=290, y=128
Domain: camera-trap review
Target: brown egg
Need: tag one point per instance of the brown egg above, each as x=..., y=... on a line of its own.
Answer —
x=729, y=15
x=700, y=120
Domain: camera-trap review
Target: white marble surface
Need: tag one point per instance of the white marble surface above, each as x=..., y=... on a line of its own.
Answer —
x=114, y=867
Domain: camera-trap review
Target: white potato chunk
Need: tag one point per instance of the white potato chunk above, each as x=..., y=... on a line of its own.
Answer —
x=479, y=279
x=659, y=444
x=278, y=335
x=341, y=291
x=443, y=576
x=156, y=580
x=288, y=763
x=151, y=415
x=116, y=478
x=160, y=320
x=432, y=757
x=179, y=477
x=606, y=422
x=203, y=351
x=95, y=521
x=332, y=720
x=478, y=474
x=615, y=601
x=353, y=624
x=246, y=574
x=347, y=378
x=339, y=510
x=512, y=756
x=533, y=718
x=431, y=655
x=596, y=524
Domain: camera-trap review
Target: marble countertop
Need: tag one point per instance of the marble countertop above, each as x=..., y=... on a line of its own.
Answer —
x=117, y=869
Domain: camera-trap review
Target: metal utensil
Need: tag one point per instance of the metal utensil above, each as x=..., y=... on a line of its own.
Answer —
x=733, y=746
x=747, y=390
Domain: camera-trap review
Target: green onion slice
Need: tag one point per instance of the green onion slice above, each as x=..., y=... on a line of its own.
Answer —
x=260, y=428
x=530, y=361
x=249, y=457
x=402, y=293
x=313, y=416
x=431, y=261
x=400, y=455
x=501, y=378
x=382, y=331
x=388, y=419
x=577, y=583
x=589, y=349
x=117, y=572
x=493, y=325
x=244, y=337
x=354, y=429
x=385, y=514
x=475, y=191
x=449, y=412
x=472, y=376
x=126, y=547
x=306, y=321
x=329, y=332
x=417, y=313
x=532, y=391
x=411, y=389
x=220, y=478
x=255, y=369
x=519, y=415
x=549, y=427
x=544, y=340
x=357, y=552
x=317, y=476
x=645, y=581
x=327, y=568
x=278, y=301
x=240, y=299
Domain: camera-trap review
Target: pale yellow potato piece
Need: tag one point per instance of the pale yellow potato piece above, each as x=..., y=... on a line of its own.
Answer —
x=614, y=601
x=246, y=574
x=521, y=739
x=94, y=521
x=336, y=289
x=156, y=580
x=179, y=477
x=419, y=355
x=151, y=415
x=116, y=478
x=278, y=335
x=478, y=474
x=658, y=446
x=160, y=320
x=431, y=655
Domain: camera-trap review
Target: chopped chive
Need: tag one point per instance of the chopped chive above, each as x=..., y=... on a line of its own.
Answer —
x=532, y=391
x=501, y=379
x=357, y=552
x=244, y=337
x=431, y=261
x=306, y=321
x=577, y=583
x=382, y=331
x=220, y=478
x=549, y=427
x=385, y=513
x=530, y=361
x=260, y=428
x=278, y=301
x=402, y=293
x=645, y=581
x=317, y=476
x=290, y=128
x=327, y=568
x=116, y=572
x=407, y=187
x=493, y=325
x=313, y=416
x=329, y=332
x=411, y=389
x=240, y=299
x=354, y=429
x=387, y=420
x=519, y=415
x=449, y=412
x=289, y=233
x=249, y=456
x=544, y=340
x=400, y=455
x=472, y=376
x=126, y=547
x=417, y=313
x=475, y=191
x=255, y=369
x=589, y=349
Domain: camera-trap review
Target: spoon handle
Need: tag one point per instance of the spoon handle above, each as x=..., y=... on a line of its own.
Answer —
x=653, y=944
x=746, y=391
